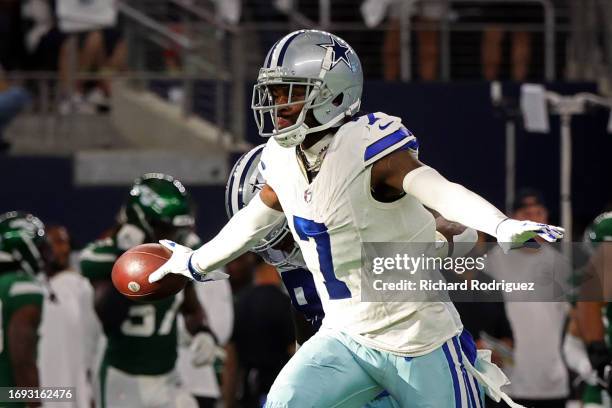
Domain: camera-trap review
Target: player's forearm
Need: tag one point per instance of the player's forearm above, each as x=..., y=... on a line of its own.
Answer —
x=24, y=362
x=22, y=345
x=589, y=320
x=192, y=311
x=110, y=306
x=26, y=374
x=238, y=236
x=453, y=201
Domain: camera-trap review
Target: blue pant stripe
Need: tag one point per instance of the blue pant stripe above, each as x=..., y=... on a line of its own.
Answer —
x=469, y=389
x=474, y=388
x=451, y=366
x=466, y=375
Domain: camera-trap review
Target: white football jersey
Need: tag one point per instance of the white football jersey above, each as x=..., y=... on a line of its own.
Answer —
x=69, y=336
x=331, y=216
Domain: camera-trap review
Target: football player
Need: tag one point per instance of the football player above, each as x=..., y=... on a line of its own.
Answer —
x=69, y=330
x=138, y=366
x=23, y=251
x=341, y=179
x=279, y=249
x=593, y=317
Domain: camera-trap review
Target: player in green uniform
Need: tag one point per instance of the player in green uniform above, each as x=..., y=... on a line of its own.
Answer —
x=138, y=364
x=22, y=252
x=594, y=317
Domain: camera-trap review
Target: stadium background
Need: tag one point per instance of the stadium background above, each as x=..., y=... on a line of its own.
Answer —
x=181, y=102
x=460, y=131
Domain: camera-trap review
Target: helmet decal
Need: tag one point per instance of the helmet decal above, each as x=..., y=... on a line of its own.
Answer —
x=22, y=236
x=339, y=52
x=158, y=200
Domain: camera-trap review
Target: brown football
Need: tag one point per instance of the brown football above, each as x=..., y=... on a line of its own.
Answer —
x=131, y=274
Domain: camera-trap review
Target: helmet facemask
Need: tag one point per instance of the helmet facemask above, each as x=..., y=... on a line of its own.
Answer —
x=266, y=111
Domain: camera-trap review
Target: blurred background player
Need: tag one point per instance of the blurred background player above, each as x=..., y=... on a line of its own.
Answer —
x=202, y=380
x=138, y=367
x=593, y=313
x=70, y=330
x=262, y=340
x=539, y=377
x=23, y=253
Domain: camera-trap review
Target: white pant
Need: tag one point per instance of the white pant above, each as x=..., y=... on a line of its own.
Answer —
x=122, y=390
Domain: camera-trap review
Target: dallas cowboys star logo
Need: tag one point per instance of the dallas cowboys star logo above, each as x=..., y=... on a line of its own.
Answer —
x=256, y=187
x=339, y=52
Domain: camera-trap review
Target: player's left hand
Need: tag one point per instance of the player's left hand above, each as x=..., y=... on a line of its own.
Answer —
x=205, y=350
x=514, y=233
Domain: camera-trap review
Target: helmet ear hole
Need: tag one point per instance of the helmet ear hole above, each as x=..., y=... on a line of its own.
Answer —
x=338, y=99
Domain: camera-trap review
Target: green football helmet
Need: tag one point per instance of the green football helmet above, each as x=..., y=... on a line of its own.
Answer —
x=599, y=231
x=23, y=243
x=160, y=206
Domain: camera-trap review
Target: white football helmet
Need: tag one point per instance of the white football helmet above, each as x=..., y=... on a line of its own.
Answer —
x=323, y=63
x=244, y=183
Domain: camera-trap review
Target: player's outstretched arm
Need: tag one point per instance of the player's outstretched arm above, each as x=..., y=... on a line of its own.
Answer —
x=402, y=172
x=238, y=236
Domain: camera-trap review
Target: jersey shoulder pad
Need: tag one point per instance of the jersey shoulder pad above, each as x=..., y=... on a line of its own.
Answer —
x=383, y=134
x=22, y=290
x=97, y=259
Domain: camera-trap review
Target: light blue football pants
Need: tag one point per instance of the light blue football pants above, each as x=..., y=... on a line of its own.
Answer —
x=331, y=370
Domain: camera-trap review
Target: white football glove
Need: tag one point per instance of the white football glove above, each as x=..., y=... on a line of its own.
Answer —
x=514, y=233
x=204, y=350
x=180, y=264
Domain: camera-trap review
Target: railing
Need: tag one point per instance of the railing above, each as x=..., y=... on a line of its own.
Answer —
x=209, y=81
x=344, y=18
x=210, y=50
x=445, y=26
x=218, y=58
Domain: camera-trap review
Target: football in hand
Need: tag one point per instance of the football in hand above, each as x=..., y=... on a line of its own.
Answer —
x=131, y=274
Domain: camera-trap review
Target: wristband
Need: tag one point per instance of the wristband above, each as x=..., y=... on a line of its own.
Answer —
x=194, y=272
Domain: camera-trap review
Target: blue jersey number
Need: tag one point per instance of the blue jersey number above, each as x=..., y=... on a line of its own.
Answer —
x=303, y=294
x=318, y=231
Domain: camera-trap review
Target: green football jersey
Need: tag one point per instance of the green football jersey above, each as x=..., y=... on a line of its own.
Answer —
x=17, y=289
x=146, y=341
x=592, y=393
